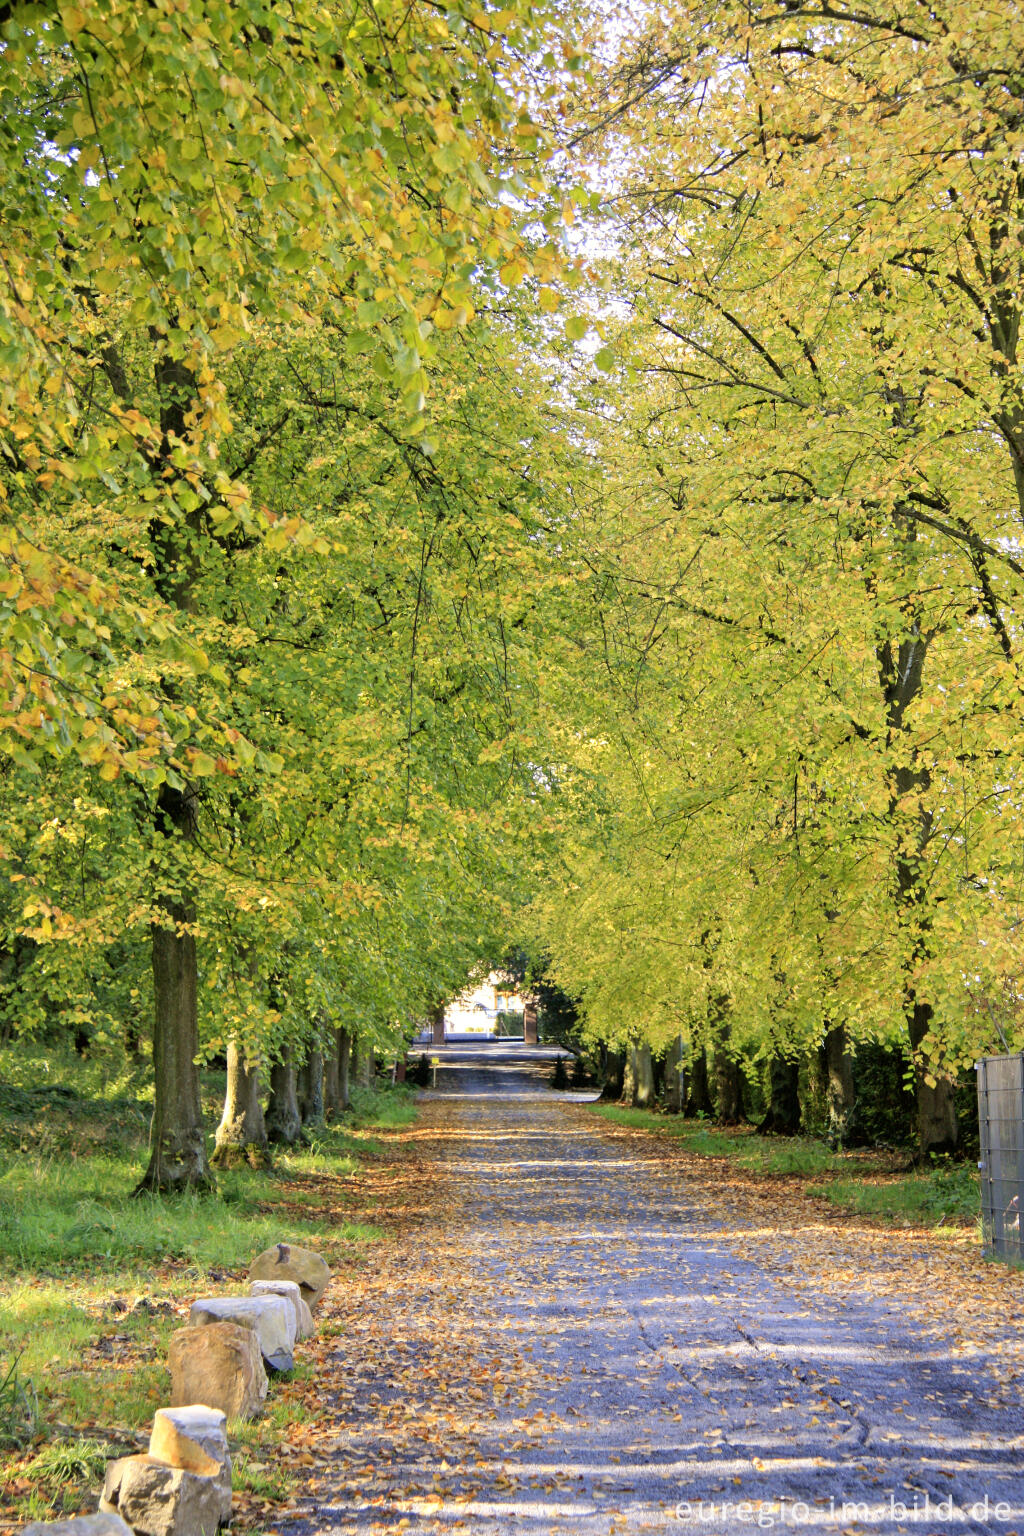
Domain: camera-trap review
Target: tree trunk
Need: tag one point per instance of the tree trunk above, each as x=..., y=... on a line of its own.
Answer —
x=728, y=1076
x=937, y=1126
x=332, y=1086
x=728, y=1088
x=643, y=1076
x=242, y=1133
x=614, y=1077
x=783, y=1116
x=673, y=1093
x=901, y=675
x=284, y=1123
x=310, y=1088
x=698, y=1094
x=177, y=1158
x=365, y=1065
x=629, y=1075
x=177, y=1144
x=344, y=1055
x=837, y=1067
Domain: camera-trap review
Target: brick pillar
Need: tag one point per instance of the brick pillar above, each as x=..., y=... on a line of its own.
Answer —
x=530, y=1024
x=438, y=1024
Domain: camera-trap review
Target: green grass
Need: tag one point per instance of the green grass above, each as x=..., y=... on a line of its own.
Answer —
x=19, y=1408
x=56, y=1215
x=383, y=1109
x=864, y=1183
x=93, y=1281
x=939, y=1197
x=760, y=1154
x=66, y=1461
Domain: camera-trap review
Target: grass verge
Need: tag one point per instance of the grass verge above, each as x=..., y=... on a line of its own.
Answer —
x=872, y=1184
x=93, y=1281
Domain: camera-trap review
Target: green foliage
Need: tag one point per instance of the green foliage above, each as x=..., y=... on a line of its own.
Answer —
x=943, y=1196
x=201, y=173
x=700, y=633
x=799, y=710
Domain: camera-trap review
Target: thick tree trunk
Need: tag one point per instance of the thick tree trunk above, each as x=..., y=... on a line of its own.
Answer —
x=177, y=1144
x=284, y=1122
x=629, y=1076
x=783, y=1116
x=728, y=1088
x=437, y=1025
x=673, y=1093
x=728, y=1074
x=698, y=1093
x=901, y=677
x=643, y=1076
x=310, y=1090
x=937, y=1126
x=613, y=1087
x=840, y=1096
x=177, y=1158
x=242, y=1133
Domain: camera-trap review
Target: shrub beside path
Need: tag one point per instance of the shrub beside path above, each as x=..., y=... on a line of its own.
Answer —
x=601, y=1333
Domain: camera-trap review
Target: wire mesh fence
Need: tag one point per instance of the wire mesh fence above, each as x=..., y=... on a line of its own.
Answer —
x=1001, y=1119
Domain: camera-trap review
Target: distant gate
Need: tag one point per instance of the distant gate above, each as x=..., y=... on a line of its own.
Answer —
x=1001, y=1119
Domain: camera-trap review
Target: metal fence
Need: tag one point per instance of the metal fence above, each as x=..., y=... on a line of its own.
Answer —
x=1001, y=1119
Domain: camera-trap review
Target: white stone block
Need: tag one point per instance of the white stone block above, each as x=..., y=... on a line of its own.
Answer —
x=271, y=1318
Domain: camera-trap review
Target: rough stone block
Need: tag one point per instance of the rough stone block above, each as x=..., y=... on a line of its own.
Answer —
x=194, y=1437
x=157, y=1500
x=79, y=1525
x=287, y=1262
x=271, y=1318
x=304, y=1325
x=219, y=1366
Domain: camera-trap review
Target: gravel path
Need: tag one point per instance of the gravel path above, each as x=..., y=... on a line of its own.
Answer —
x=585, y=1348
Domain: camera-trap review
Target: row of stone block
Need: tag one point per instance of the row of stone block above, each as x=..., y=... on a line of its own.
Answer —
x=219, y=1363
x=222, y=1357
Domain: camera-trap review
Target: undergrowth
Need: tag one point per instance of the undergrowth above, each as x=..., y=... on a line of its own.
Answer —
x=941, y=1196
x=761, y=1154
x=863, y=1183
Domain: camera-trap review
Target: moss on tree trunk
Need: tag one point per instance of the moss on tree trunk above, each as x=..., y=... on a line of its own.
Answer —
x=242, y=1133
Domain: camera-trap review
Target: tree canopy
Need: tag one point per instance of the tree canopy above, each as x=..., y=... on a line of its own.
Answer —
x=469, y=473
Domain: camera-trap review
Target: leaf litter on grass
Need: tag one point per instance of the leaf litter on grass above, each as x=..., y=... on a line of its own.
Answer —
x=107, y=1389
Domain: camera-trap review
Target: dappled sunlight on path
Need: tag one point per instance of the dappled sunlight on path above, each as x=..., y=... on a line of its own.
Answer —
x=592, y=1336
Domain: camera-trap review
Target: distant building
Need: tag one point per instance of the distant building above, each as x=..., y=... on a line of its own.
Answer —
x=475, y=1011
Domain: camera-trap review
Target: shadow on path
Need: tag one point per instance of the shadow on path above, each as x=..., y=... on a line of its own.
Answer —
x=584, y=1347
